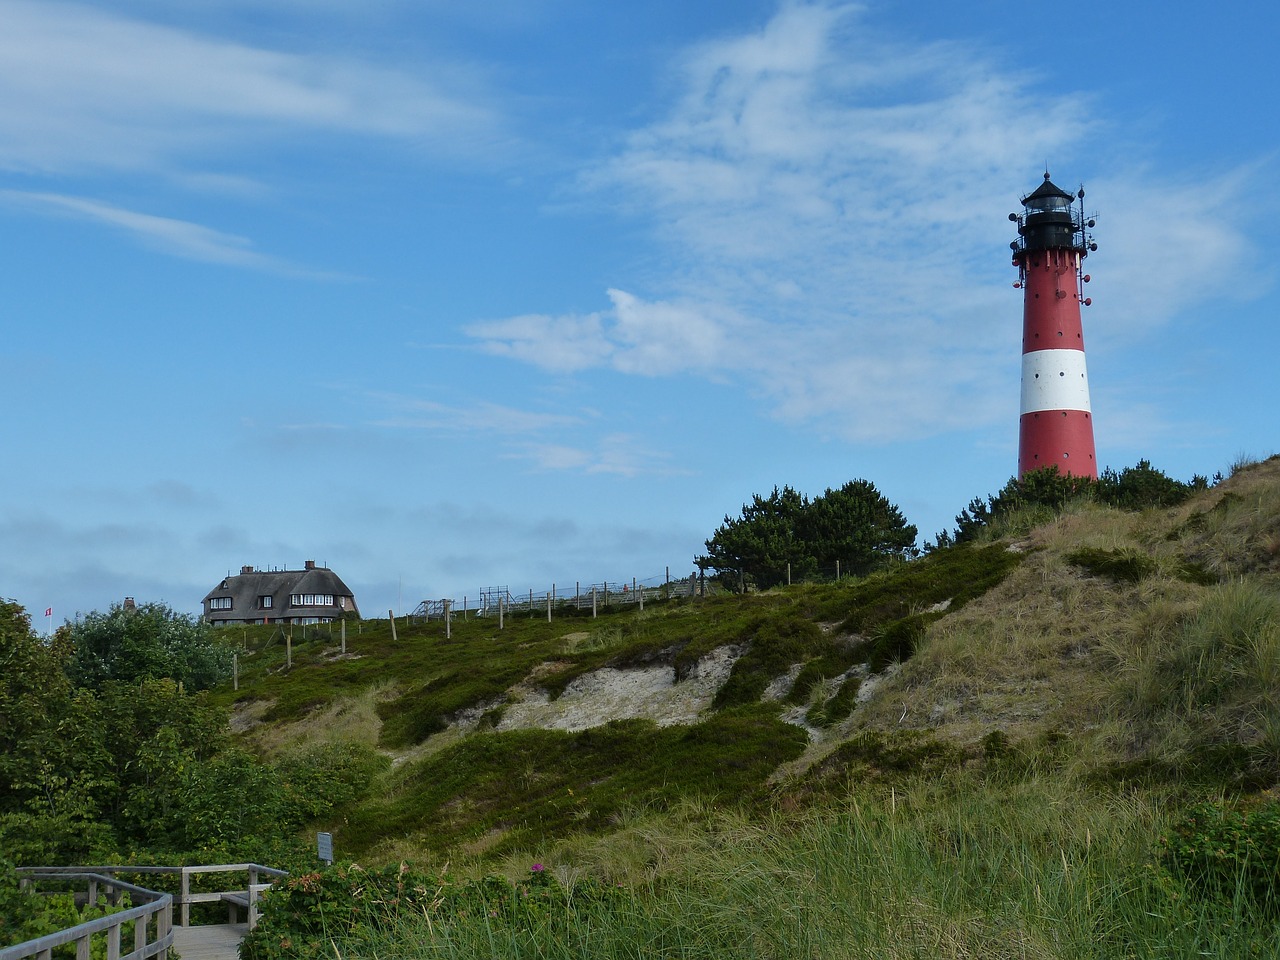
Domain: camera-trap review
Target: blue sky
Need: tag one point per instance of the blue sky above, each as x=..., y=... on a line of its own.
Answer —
x=455, y=295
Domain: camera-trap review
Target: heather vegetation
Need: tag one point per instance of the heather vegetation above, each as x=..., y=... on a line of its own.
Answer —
x=1056, y=734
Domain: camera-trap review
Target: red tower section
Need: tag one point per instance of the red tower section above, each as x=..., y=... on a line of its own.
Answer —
x=1056, y=423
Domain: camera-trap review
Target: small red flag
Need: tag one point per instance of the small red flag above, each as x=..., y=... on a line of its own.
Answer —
x=48, y=611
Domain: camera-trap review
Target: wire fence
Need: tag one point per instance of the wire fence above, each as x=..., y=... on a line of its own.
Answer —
x=501, y=601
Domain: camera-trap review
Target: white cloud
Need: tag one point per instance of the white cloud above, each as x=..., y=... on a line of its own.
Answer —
x=179, y=238
x=546, y=440
x=617, y=454
x=834, y=212
x=83, y=90
x=563, y=344
x=633, y=336
x=1166, y=243
x=488, y=418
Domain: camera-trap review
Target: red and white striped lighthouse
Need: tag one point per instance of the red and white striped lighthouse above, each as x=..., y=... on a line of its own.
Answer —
x=1056, y=425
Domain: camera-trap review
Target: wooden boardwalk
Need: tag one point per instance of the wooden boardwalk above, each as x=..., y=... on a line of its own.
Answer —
x=220, y=941
x=159, y=920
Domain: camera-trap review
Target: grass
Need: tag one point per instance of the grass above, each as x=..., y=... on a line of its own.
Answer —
x=965, y=867
x=1205, y=689
x=1006, y=731
x=1092, y=675
x=492, y=791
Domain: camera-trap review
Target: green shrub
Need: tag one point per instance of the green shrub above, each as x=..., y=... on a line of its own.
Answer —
x=776, y=642
x=1226, y=853
x=319, y=915
x=839, y=705
x=1143, y=486
x=908, y=752
x=896, y=642
x=26, y=916
x=322, y=778
x=1122, y=566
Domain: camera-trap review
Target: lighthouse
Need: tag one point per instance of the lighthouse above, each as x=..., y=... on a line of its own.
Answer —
x=1056, y=423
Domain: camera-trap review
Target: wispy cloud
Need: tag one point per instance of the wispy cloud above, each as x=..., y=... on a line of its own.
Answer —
x=179, y=238
x=545, y=440
x=486, y=417
x=84, y=90
x=833, y=209
x=617, y=454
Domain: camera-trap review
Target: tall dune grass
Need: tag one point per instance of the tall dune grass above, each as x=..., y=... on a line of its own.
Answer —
x=968, y=869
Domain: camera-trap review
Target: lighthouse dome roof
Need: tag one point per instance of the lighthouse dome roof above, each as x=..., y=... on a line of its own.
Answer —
x=1045, y=191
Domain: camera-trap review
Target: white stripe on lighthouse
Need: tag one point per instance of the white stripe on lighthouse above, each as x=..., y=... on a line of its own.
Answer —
x=1054, y=380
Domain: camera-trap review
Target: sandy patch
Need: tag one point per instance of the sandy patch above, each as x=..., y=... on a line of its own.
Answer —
x=609, y=694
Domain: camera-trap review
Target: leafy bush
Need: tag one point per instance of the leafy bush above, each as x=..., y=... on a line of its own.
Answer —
x=26, y=916
x=318, y=914
x=1226, y=852
x=149, y=641
x=323, y=778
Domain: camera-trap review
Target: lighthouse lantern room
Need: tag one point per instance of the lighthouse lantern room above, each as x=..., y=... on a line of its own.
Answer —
x=1056, y=424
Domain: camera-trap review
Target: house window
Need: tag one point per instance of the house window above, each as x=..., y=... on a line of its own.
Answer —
x=219, y=603
x=264, y=602
x=312, y=600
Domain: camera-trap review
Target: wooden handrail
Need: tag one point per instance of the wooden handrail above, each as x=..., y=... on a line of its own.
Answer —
x=158, y=911
x=160, y=906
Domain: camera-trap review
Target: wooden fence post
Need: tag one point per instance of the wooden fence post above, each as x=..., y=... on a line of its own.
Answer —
x=392, y=617
x=344, y=636
x=235, y=671
x=447, y=632
x=593, y=602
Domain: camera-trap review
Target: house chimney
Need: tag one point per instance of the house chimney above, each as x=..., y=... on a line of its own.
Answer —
x=129, y=605
x=310, y=565
x=246, y=569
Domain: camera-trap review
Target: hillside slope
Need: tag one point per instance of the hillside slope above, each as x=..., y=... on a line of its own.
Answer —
x=1149, y=642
